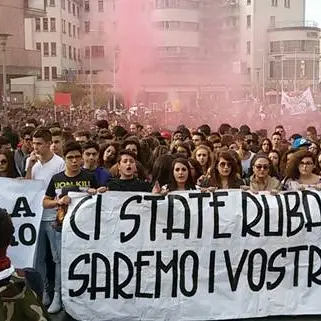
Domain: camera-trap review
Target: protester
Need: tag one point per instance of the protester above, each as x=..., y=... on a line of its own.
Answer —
x=7, y=165
x=300, y=172
x=261, y=179
x=19, y=289
x=72, y=179
x=42, y=165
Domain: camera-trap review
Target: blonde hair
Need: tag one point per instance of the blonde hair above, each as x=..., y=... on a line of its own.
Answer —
x=210, y=155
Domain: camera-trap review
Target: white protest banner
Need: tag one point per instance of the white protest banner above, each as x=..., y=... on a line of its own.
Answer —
x=23, y=201
x=192, y=256
x=298, y=104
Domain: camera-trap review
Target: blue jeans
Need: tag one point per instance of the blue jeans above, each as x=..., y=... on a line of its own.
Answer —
x=46, y=231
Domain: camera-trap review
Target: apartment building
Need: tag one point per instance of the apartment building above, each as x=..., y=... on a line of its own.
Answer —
x=56, y=36
x=18, y=59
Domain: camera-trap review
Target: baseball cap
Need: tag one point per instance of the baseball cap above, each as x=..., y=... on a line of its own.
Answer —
x=300, y=142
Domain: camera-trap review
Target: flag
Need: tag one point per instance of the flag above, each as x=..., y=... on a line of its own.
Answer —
x=63, y=99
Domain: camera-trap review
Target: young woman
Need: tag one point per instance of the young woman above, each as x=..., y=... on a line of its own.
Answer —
x=183, y=149
x=7, y=166
x=299, y=174
x=261, y=180
x=181, y=176
x=196, y=169
x=224, y=173
x=109, y=155
x=275, y=158
x=202, y=154
x=266, y=146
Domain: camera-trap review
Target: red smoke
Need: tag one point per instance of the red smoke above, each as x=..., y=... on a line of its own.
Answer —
x=134, y=39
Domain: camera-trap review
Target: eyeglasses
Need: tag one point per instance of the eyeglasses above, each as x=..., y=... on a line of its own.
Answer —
x=306, y=163
x=264, y=167
x=225, y=164
x=249, y=141
x=3, y=161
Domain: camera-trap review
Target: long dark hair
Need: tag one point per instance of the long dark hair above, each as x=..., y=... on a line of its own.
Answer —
x=11, y=170
x=292, y=170
x=233, y=180
x=189, y=184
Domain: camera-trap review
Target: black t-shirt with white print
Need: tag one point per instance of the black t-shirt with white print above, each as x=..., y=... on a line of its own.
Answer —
x=61, y=184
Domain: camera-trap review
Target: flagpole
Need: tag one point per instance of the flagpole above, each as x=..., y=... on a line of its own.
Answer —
x=295, y=69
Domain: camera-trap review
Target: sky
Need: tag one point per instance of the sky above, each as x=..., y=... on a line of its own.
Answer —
x=313, y=11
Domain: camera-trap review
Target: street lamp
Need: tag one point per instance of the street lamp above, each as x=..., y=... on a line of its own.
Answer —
x=3, y=42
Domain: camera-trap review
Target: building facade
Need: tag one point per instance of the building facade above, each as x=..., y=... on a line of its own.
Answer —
x=57, y=37
x=17, y=57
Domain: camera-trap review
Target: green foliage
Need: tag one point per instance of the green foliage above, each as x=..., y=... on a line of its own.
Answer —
x=77, y=92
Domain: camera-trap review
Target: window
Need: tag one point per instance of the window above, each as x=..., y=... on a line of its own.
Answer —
x=54, y=75
x=63, y=25
x=38, y=46
x=87, y=26
x=46, y=49
x=86, y=6
x=248, y=2
x=45, y=24
x=101, y=5
x=77, y=12
x=74, y=31
x=52, y=24
x=64, y=50
x=70, y=52
x=46, y=73
x=38, y=25
x=248, y=21
x=287, y=3
x=63, y=4
x=52, y=3
x=74, y=10
x=87, y=52
x=53, y=49
x=274, y=3
x=78, y=54
x=69, y=29
x=97, y=51
x=75, y=54
x=248, y=47
x=69, y=6
x=272, y=21
x=78, y=32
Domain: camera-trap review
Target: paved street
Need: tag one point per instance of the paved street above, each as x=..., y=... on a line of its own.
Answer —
x=60, y=317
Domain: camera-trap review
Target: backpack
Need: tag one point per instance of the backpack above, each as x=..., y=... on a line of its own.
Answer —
x=19, y=303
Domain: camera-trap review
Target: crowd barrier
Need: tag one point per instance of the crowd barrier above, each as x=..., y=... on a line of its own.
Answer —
x=185, y=256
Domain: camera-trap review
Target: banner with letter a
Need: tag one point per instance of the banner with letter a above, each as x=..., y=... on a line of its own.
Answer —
x=192, y=256
x=23, y=201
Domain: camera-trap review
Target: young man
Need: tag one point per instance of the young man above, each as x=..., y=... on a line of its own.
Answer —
x=127, y=182
x=276, y=141
x=244, y=153
x=20, y=290
x=91, y=158
x=22, y=153
x=198, y=138
x=82, y=136
x=42, y=165
x=57, y=142
x=72, y=179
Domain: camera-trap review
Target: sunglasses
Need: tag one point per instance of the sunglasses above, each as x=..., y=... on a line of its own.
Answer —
x=259, y=167
x=3, y=161
x=225, y=164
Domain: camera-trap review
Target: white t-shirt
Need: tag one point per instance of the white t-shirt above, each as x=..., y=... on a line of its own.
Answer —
x=246, y=163
x=45, y=172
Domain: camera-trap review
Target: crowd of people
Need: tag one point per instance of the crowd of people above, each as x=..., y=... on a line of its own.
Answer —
x=140, y=158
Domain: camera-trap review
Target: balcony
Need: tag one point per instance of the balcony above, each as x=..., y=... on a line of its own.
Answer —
x=294, y=24
x=34, y=8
